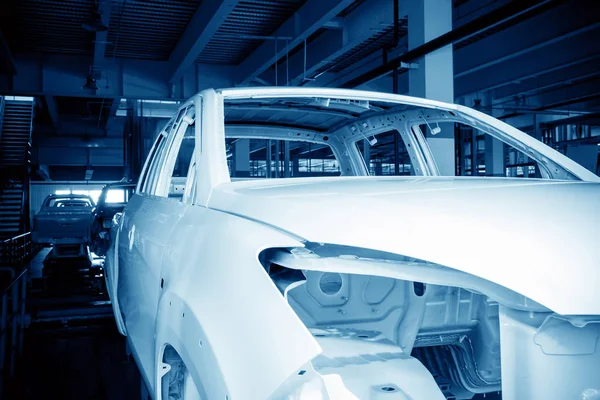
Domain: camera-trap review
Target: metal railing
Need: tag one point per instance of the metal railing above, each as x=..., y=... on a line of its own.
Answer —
x=2, y=102
x=15, y=253
x=12, y=322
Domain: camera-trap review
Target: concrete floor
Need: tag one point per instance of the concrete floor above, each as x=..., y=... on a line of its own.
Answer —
x=72, y=349
x=77, y=366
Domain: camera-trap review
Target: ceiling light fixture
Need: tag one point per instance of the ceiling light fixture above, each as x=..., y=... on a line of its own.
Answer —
x=90, y=84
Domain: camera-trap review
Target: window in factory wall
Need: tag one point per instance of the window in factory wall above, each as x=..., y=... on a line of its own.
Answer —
x=273, y=158
x=95, y=194
x=116, y=196
x=385, y=154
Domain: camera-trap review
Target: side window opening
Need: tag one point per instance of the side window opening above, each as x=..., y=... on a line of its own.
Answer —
x=386, y=155
x=169, y=159
x=275, y=158
x=148, y=180
x=179, y=177
x=189, y=191
x=176, y=164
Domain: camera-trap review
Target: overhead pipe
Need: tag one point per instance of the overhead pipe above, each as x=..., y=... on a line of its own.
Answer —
x=499, y=18
x=395, y=70
x=396, y=23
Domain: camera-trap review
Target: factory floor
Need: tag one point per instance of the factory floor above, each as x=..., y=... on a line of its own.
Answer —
x=82, y=366
x=72, y=349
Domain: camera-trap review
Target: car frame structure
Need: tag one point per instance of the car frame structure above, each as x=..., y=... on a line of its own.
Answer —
x=105, y=210
x=64, y=220
x=354, y=286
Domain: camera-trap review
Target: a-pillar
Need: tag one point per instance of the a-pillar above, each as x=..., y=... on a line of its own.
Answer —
x=434, y=77
x=242, y=158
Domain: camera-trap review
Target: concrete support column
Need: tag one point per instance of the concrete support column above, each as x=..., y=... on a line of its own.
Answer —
x=434, y=79
x=494, y=156
x=494, y=148
x=269, y=158
x=242, y=158
x=286, y=159
x=378, y=169
x=277, y=159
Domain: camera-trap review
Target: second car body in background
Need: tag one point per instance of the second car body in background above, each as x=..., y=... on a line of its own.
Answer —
x=64, y=219
x=112, y=200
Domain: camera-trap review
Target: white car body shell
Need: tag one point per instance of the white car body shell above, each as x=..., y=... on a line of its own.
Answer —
x=70, y=225
x=187, y=274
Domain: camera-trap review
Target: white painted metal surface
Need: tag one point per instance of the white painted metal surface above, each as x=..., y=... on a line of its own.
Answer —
x=323, y=288
x=435, y=216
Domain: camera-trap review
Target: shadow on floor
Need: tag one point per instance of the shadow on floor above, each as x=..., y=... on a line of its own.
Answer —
x=77, y=365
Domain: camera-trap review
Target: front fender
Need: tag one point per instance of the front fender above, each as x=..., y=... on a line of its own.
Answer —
x=179, y=327
x=252, y=340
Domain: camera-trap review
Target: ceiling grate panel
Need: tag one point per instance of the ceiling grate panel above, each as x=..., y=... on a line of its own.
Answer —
x=383, y=38
x=353, y=6
x=249, y=18
x=147, y=29
x=47, y=26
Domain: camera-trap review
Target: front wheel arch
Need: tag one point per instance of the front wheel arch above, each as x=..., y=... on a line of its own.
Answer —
x=175, y=378
x=178, y=327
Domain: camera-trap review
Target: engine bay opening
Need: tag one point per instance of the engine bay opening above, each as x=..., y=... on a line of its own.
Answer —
x=381, y=317
x=373, y=326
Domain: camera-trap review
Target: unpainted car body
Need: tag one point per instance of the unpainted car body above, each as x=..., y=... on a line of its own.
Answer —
x=112, y=200
x=64, y=220
x=355, y=287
